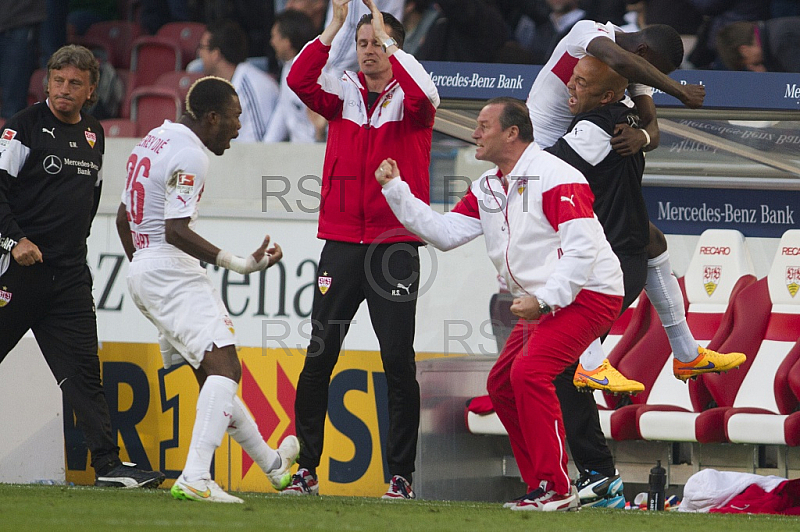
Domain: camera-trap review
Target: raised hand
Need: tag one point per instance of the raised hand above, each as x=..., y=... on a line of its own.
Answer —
x=340, y=10
x=378, y=26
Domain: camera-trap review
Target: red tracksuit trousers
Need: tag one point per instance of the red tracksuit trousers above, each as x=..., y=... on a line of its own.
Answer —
x=521, y=383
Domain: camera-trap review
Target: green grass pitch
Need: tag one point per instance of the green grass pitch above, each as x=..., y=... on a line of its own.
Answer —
x=34, y=507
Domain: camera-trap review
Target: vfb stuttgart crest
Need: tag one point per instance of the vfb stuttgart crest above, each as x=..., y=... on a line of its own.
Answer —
x=324, y=283
x=5, y=297
x=793, y=279
x=711, y=275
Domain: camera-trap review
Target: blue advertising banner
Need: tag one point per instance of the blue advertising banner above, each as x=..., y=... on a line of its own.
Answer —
x=690, y=211
x=724, y=90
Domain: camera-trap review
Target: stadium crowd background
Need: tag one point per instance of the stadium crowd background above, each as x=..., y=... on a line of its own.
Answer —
x=499, y=31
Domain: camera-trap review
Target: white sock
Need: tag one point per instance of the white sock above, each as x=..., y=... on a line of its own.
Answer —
x=244, y=430
x=665, y=294
x=682, y=342
x=213, y=414
x=593, y=356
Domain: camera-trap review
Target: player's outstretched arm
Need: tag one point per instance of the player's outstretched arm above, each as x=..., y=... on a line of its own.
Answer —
x=443, y=231
x=179, y=234
x=638, y=70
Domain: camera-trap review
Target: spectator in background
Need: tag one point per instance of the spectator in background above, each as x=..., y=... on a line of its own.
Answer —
x=292, y=120
x=680, y=14
x=223, y=51
x=466, y=31
x=563, y=15
x=765, y=46
x=255, y=17
x=418, y=17
x=719, y=14
x=20, y=23
x=613, y=11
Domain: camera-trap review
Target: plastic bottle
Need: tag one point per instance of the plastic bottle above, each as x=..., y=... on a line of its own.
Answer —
x=658, y=482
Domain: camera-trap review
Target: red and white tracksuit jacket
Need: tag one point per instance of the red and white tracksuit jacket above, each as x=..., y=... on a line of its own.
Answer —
x=542, y=236
x=544, y=239
x=398, y=125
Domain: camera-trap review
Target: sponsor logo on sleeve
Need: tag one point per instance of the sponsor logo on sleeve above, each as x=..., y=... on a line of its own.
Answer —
x=185, y=184
x=8, y=136
x=711, y=277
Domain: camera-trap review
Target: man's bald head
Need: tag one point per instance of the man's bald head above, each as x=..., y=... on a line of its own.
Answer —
x=593, y=84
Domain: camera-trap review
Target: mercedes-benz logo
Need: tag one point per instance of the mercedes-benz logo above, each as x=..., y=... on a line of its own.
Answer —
x=52, y=164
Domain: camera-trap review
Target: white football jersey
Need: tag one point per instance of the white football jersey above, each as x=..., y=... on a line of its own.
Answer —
x=166, y=176
x=547, y=101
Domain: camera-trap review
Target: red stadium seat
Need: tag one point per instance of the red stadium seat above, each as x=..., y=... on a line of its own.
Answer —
x=150, y=106
x=119, y=127
x=711, y=283
x=186, y=35
x=116, y=36
x=180, y=81
x=753, y=404
x=153, y=56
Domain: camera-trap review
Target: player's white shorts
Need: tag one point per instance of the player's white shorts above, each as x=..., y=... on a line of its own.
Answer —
x=175, y=294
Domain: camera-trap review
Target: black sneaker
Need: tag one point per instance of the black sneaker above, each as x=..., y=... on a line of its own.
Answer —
x=596, y=489
x=126, y=475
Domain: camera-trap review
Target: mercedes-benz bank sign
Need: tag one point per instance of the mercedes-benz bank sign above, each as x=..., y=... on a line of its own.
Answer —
x=52, y=164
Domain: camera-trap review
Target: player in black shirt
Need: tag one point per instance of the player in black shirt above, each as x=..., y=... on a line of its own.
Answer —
x=51, y=156
x=596, y=92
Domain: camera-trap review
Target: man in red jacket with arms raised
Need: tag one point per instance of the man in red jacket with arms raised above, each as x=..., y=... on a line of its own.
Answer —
x=386, y=109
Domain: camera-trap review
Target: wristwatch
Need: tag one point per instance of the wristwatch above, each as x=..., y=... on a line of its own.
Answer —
x=544, y=308
x=387, y=43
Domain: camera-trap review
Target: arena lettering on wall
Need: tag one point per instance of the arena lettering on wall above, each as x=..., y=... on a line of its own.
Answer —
x=480, y=81
x=150, y=405
x=690, y=211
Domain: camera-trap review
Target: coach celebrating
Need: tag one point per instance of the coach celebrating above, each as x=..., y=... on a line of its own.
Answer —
x=535, y=213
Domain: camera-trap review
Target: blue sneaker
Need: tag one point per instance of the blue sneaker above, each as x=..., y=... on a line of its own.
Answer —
x=596, y=489
x=617, y=502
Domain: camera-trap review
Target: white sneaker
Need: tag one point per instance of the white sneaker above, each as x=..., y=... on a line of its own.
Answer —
x=281, y=477
x=202, y=490
x=549, y=501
